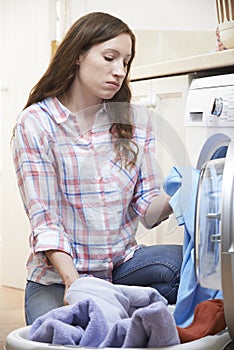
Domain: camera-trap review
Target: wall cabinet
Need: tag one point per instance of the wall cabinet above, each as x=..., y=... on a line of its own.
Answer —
x=165, y=98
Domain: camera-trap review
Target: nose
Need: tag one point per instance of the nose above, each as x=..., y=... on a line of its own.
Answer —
x=119, y=69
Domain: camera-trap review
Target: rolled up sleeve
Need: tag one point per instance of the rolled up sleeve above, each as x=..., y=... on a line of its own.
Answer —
x=37, y=180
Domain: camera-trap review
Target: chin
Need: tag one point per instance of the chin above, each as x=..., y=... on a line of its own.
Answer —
x=108, y=96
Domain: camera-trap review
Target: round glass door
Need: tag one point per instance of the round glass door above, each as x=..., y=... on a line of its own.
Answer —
x=214, y=231
x=208, y=225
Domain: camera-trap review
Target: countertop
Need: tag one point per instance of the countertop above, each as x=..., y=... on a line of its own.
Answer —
x=214, y=61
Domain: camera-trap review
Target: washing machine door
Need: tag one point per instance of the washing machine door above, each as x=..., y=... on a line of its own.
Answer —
x=214, y=230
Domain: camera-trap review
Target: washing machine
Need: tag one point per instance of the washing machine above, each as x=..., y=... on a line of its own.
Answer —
x=209, y=122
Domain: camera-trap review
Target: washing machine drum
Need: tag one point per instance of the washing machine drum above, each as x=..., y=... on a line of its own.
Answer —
x=214, y=231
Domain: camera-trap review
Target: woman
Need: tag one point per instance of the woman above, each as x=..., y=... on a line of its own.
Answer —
x=84, y=160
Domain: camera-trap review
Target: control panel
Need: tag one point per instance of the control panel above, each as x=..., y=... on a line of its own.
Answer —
x=210, y=102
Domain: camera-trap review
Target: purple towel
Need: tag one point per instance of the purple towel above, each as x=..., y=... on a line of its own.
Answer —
x=107, y=315
x=82, y=323
x=115, y=300
x=151, y=326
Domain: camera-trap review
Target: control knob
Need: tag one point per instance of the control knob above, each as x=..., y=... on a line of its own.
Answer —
x=217, y=106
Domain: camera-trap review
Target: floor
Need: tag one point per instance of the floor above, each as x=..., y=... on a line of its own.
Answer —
x=11, y=311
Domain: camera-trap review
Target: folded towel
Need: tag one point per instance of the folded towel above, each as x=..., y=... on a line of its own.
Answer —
x=82, y=323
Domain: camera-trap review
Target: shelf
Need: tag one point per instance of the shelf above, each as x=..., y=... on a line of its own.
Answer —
x=221, y=61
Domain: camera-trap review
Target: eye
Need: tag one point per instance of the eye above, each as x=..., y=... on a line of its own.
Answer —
x=108, y=59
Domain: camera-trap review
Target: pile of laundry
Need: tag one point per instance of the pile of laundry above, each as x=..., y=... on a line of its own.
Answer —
x=101, y=314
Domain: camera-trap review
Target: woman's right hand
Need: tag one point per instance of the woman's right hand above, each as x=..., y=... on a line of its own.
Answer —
x=64, y=265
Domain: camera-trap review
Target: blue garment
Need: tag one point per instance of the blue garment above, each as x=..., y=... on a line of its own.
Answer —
x=181, y=184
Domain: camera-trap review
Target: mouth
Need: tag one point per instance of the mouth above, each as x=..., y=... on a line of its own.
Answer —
x=113, y=84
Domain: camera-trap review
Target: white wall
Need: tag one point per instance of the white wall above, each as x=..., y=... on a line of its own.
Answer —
x=153, y=14
x=25, y=51
x=165, y=29
x=1, y=91
x=27, y=28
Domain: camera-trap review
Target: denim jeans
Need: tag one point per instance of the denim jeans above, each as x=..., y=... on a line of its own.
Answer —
x=156, y=266
x=153, y=266
x=40, y=299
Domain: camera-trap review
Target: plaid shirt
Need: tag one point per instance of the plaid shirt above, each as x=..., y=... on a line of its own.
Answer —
x=77, y=196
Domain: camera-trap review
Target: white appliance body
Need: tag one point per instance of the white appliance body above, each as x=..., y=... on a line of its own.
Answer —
x=209, y=121
x=209, y=118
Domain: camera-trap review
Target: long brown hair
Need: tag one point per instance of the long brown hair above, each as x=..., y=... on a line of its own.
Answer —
x=91, y=29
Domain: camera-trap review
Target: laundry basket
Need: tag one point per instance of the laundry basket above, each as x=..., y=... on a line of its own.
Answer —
x=225, y=15
x=18, y=340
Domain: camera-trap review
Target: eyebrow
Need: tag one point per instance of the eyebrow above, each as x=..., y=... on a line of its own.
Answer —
x=110, y=49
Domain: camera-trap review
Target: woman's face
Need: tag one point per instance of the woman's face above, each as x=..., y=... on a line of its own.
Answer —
x=103, y=68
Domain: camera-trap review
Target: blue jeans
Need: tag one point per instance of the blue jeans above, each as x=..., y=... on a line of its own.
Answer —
x=153, y=266
x=156, y=266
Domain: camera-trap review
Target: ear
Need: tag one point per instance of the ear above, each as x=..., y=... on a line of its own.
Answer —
x=78, y=61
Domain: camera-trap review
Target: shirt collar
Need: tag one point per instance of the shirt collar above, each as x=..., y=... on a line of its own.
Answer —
x=55, y=109
x=60, y=113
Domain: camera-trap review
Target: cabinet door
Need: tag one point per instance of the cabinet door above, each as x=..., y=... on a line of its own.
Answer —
x=171, y=95
x=141, y=91
x=166, y=98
